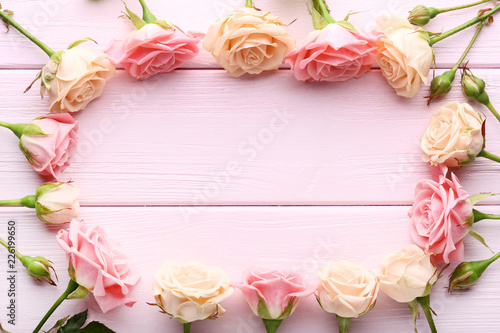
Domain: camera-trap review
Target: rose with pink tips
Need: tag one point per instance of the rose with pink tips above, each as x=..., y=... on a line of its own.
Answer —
x=274, y=295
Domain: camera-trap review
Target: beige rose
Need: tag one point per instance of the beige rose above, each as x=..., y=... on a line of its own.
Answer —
x=407, y=274
x=248, y=41
x=78, y=78
x=404, y=55
x=347, y=289
x=57, y=203
x=191, y=292
x=454, y=136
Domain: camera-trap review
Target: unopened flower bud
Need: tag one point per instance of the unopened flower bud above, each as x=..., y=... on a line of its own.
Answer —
x=441, y=85
x=474, y=87
x=56, y=202
x=39, y=268
x=421, y=15
x=467, y=273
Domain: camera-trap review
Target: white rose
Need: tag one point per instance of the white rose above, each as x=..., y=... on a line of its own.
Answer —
x=77, y=79
x=454, y=136
x=191, y=292
x=407, y=274
x=248, y=41
x=404, y=56
x=57, y=203
x=347, y=289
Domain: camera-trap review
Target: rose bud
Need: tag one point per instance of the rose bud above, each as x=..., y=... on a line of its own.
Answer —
x=47, y=142
x=347, y=290
x=404, y=55
x=474, y=87
x=441, y=85
x=37, y=267
x=248, y=41
x=421, y=15
x=191, y=292
x=467, y=273
x=454, y=136
x=57, y=203
x=273, y=295
x=407, y=276
x=154, y=47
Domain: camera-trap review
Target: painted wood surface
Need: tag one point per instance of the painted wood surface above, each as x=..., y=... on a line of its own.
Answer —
x=257, y=171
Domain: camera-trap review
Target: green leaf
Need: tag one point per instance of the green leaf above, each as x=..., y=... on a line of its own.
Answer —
x=80, y=41
x=474, y=199
x=74, y=323
x=58, y=323
x=96, y=327
x=479, y=238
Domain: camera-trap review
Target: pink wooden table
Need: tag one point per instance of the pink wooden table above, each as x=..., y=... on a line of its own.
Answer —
x=187, y=166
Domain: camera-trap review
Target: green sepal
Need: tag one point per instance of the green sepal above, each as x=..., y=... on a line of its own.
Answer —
x=262, y=310
x=164, y=24
x=424, y=33
x=29, y=156
x=46, y=188
x=413, y=305
x=38, y=77
x=136, y=20
x=480, y=238
x=57, y=56
x=318, y=21
x=80, y=41
x=272, y=325
x=474, y=199
x=343, y=324
x=34, y=130
x=346, y=25
x=80, y=293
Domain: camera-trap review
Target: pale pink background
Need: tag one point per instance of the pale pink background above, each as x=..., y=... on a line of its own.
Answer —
x=191, y=166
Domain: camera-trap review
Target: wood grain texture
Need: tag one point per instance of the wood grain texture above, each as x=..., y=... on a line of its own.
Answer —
x=203, y=138
x=238, y=238
x=59, y=22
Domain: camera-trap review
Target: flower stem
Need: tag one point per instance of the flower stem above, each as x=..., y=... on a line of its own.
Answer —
x=479, y=216
x=272, y=325
x=343, y=324
x=72, y=286
x=187, y=327
x=28, y=201
x=493, y=110
x=16, y=253
x=425, y=304
x=147, y=16
x=489, y=155
x=469, y=47
x=322, y=8
x=18, y=129
x=466, y=25
x=7, y=18
x=449, y=9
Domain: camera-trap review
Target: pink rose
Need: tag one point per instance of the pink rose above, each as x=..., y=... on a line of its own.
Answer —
x=279, y=292
x=152, y=50
x=334, y=53
x=97, y=264
x=441, y=216
x=48, y=143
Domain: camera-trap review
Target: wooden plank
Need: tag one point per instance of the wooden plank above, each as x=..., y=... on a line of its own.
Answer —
x=237, y=238
x=58, y=23
x=203, y=138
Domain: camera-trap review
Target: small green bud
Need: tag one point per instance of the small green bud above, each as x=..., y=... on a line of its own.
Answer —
x=39, y=268
x=474, y=87
x=467, y=273
x=441, y=85
x=421, y=15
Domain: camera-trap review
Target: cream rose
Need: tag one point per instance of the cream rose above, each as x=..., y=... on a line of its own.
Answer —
x=77, y=78
x=191, y=292
x=404, y=55
x=248, y=41
x=57, y=203
x=407, y=274
x=347, y=289
x=454, y=136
